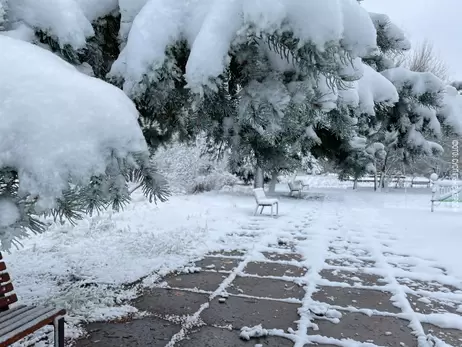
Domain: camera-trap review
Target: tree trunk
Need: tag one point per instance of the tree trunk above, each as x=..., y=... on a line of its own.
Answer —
x=375, y=181
x=355, y=183
x=383, y=173
x=258, y=181
x=274, y=181
x=382, y=181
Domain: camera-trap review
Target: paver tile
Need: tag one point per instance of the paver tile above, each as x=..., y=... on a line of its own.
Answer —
x=215, y=337
x=164, y=302
x=428, y=305
x=352, y=278
x=266, y=288
x=431, y=286
x=149, y=331
x=283, y=256
x=350, y=262
x=239, y=312
x=274, y=269
x=204, y=280
x=383, y=331
x=452, y=337
x=217, y=264
x=359, y=298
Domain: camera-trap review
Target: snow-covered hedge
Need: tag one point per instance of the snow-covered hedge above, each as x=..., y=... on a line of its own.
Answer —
x=190, y=171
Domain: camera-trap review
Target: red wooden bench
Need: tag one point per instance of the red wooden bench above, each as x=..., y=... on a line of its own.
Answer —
x=20, y=321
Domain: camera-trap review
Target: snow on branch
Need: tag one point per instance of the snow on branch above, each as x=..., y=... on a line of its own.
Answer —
x=389, y=36
x=214, y=27
x=63, y=19
x=451, y=112
x=67, y=142
x=419, y=83
x=372, y=88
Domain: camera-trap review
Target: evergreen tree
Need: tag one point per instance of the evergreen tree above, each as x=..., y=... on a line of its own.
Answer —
x=271, y=95
x=237, y=109
x=261, y=80
x=411, y=127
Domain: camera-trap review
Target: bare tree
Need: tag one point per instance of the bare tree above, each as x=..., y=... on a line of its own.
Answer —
x=424, y=59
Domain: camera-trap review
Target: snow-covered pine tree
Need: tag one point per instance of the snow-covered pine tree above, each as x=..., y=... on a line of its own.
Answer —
x=165, y=71
x=70, y=143
x=410, y=127
x=269, y=74
x=376, y=95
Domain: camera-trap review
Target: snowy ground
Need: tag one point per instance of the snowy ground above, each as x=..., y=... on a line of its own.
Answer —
x=90, y=269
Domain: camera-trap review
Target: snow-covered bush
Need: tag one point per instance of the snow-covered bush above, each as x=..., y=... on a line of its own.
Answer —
x=214, y=180
x=189, y=170
x=311, y=165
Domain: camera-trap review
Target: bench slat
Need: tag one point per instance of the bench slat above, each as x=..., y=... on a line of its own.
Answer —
x=22, y=319
x=6, y=288
x=13, y=312
x=29, y=327
x=5, y=277
x=6, y=301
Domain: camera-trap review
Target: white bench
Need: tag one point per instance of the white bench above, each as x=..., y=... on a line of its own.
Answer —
x=263, y=201
x=445, y=190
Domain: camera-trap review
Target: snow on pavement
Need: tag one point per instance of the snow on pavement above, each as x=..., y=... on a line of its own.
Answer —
x=341, y=234
x=356, y=290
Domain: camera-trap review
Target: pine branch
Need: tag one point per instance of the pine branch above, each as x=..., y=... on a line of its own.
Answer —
x=70, y=207
x=94, y=197
x=308, y=60
x=154, y=185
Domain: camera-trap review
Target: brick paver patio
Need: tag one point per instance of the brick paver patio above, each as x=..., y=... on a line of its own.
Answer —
x=353, y=298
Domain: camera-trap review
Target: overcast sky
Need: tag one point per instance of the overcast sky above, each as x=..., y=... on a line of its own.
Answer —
x=435, y=20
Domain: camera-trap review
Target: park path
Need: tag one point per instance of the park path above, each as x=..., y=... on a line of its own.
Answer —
x=324, y=275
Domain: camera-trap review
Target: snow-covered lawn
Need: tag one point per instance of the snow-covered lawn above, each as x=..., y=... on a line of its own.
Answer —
x=91, y=268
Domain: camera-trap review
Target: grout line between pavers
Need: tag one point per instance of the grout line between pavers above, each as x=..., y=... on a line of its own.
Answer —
x=312, y=278
x=408, y=312
x=406, y=306
x=290, y=301
x=224, y=284
x=195, y=317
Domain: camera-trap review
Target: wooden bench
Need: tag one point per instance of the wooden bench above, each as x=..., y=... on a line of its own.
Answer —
x=297, y=187
x=366, y=179
x=263, y=201
x=19, y=321
x=420, y=183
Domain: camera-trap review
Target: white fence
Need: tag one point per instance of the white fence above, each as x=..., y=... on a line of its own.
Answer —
x=394, y=181
x=446, y=191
